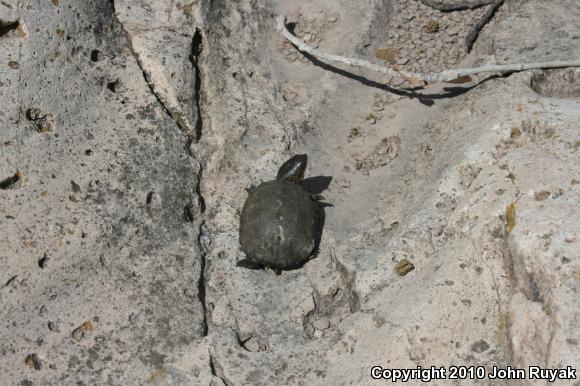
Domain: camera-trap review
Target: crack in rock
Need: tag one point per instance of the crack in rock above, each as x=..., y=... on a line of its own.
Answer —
x=204, y=239
x=203, y=242
x=347, y=282
x=196, y=48
x=218, y=373
x=176, y=116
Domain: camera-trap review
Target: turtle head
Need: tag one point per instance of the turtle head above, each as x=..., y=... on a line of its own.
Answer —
x=293, y=169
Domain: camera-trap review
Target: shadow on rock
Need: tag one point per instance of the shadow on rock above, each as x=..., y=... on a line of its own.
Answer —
x=412, y=93
x=315, y=186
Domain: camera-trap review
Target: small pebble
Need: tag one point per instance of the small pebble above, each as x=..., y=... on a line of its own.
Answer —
x=372, y=118
x=255, y=345
x=35, y=113
x=45, y=124
x=389, y=54
x=541, y=196
x=432, y=26
x=33, y=361
x=80, y=332
x=354, y=132
x=403, y=267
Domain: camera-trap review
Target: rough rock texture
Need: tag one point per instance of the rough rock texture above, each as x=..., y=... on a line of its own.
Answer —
x=105, y=201
x=130, y=130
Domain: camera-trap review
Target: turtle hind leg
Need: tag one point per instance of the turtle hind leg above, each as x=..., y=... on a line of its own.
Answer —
x=249, y=264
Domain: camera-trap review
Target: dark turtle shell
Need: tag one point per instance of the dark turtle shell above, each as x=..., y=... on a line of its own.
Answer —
x=278, y=225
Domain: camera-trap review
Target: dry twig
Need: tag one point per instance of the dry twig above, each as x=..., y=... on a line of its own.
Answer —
x=416, y=78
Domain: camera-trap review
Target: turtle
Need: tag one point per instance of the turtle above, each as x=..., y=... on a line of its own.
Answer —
x=278, y=223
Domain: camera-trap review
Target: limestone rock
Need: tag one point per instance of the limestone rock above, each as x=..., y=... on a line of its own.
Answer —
x=130, y=133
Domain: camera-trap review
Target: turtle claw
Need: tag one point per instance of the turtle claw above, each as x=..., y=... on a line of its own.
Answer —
x=249, y=264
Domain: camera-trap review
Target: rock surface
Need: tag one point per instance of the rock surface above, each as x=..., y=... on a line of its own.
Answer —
x=131, y=128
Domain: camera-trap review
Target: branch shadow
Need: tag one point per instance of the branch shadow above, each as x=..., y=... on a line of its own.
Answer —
x=427, y=99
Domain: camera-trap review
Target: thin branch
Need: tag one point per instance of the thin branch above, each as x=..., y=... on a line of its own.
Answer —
x=416, y=78
x=353, y=62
